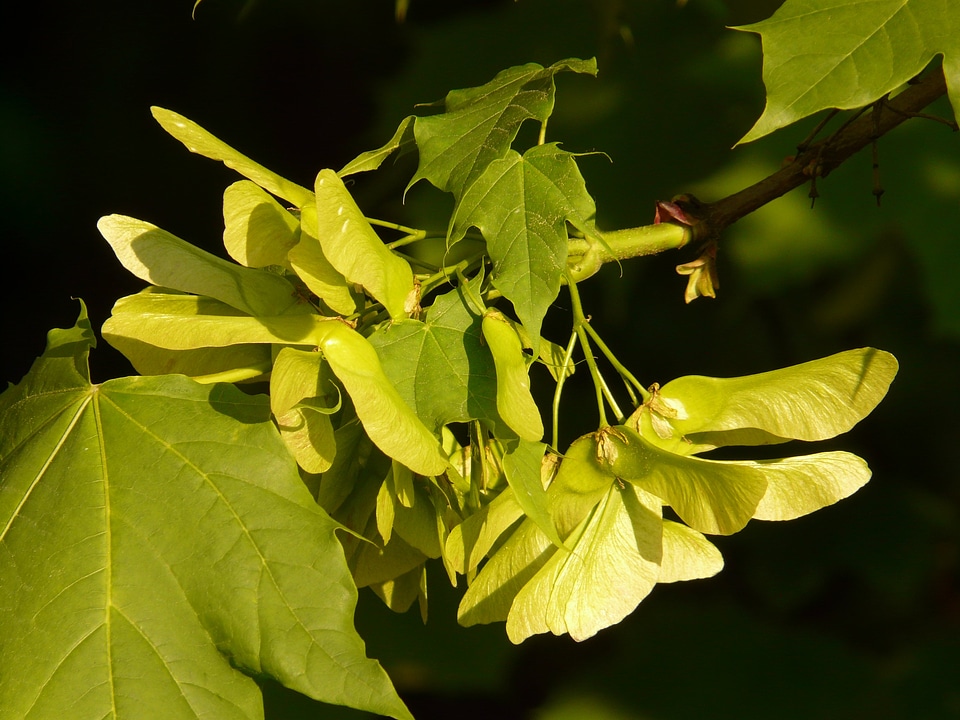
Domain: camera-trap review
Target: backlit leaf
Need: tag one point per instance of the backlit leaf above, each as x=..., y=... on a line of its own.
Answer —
x=523, y=464
x=197, y=140
x=580, y=483
x=687, y=554
x=816, y=400
x=470, y=541
x=514, y=401
x=720, y=497
x=613, y=563
x=162, y=259
x=257, y=230
x=356, y=251
x=709, y=495
x=829, y=478
x=490, y=595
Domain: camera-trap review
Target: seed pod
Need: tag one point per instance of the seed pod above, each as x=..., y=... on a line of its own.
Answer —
x=514, y=401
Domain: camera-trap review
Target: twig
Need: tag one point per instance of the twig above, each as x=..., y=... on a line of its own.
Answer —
x=714, y=218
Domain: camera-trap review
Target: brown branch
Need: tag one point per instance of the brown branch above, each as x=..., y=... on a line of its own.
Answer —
x=817, y=160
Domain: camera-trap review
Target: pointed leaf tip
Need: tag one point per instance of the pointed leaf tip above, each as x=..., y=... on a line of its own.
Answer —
x=847, y=54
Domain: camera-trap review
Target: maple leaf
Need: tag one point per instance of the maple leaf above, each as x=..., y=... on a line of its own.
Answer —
x=846, y=54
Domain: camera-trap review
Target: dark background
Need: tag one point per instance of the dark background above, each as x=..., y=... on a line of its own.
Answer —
x=851, y=612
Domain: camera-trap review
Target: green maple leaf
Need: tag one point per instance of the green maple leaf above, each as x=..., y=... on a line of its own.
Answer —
x=821, y=54
x=522, y=204
x=155, y=541
x=440, y=366
x=479, y=124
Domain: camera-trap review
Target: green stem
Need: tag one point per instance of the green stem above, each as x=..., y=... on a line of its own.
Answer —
x=605, y=389
x=406, y=240
x=443, y=275
x=618, y=366
x=585, y=256
x=561, y=380
x=399, y=228
x=464, y=285
x=579, y=323
x=595, y=374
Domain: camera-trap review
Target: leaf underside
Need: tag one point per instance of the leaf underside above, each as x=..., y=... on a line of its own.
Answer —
x=157, y=536
x=847, y=54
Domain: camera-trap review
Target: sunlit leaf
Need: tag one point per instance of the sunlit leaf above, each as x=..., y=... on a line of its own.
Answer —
x=402, y=140
x=152, y=565
x=613, y=563
x=480, y=123
x=514, y=401
x=302, y=398
x=311, y=265
x=162, y=259
x=440, y=365
x=521, y=205
x=185, y=322
x=356, y=251
x=257, y=230
x=848, y=53
x=812, y=401
x=198, y=140
x=388, y=420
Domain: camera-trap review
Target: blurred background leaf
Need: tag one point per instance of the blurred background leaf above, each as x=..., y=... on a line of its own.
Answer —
x=854, y=611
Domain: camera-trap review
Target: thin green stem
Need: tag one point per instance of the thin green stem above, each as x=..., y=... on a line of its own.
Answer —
x=561, y=380
x=464, y=285
x=605, y=389
x=618, y=366
x=598, y=385
x=406, y=240
x=579, y=323
x=399, y=228
x=443, y=275
x=416, y=262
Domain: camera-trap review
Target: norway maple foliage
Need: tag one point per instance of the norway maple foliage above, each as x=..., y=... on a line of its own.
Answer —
x=195, y=535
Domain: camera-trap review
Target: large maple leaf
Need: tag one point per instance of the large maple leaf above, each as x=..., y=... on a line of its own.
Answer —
x=157, y=547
